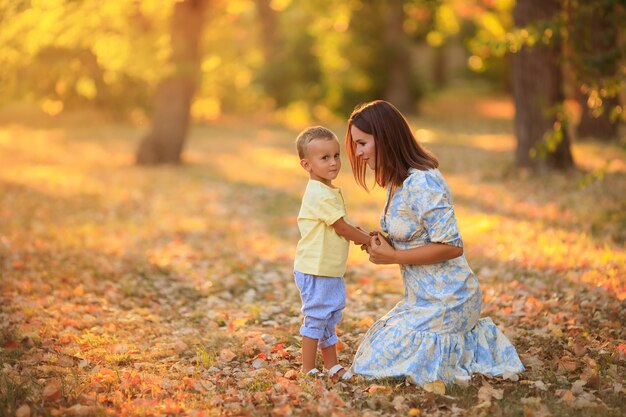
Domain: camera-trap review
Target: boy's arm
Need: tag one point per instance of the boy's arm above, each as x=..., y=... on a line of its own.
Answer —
x=349, y=232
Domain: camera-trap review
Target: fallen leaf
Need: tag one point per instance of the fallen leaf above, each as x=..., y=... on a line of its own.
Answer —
x=119, y=348
x=487, y=392
x=533, y=362
x=555, y=330
x=340, y=346
x=579, y=349
x=567, y=366
x=593, y=382
x=588, y=373
x=257, y=363
x=283, y=411
x=506, y=375
x=81, y=410
x=577, y=387
x=23, y=411
x=366, y=322
x=398, y=402
x=227, y=355
x=52, y=391
x=377, y=389
x=65, y=362
x=291, y=374
x=436, y=387
x=568, y=397
x=585, y=399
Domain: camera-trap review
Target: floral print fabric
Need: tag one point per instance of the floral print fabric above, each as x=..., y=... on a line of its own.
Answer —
x=435, y=332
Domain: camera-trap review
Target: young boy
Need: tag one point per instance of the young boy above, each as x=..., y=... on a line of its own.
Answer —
x=322, y=251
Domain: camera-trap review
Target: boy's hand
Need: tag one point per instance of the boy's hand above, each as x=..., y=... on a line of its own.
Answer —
x=365, y=232
x=380, y=235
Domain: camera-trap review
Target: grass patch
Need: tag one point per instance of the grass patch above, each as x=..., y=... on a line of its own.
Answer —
x=14, y=394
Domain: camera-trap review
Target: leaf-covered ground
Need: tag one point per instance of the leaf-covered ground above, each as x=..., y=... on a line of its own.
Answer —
x=168, y=291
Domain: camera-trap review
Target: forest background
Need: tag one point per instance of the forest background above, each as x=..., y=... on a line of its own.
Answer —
x=149, y=189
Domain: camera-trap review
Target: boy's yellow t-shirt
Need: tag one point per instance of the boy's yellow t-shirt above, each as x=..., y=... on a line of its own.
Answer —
x=321, y=251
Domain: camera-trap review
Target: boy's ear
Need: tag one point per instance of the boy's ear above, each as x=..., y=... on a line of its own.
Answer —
x=305, y=164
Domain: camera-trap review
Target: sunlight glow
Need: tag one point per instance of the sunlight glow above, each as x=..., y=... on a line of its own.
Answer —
x=52, y=107
x=280, y=5
x=424, y=135
x=208, y=108
x=273, y=168
x=499, y=143
x=476, y=63
x=496, y=109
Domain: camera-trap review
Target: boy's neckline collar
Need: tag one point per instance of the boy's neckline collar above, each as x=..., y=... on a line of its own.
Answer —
x=331, y=186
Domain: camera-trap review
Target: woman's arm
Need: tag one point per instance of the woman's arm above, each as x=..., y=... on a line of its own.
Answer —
x=381, y=252
x=349, y=232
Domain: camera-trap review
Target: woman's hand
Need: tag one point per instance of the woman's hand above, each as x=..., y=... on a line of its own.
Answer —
x=380, y=250
x=366, y=247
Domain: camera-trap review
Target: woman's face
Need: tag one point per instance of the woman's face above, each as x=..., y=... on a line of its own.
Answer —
x=365, y=146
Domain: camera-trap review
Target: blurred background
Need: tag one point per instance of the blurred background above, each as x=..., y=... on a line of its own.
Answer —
x=160, y=64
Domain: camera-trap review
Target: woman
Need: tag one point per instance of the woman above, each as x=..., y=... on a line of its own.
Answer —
x=435, y=332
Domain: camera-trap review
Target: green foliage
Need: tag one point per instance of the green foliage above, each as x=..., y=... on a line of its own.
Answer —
x=72, y=53
x=593, y=29
x=553, y=137
x=367, y=54
x=588, y=32
x=294, y=73
x=65, y=54
x=484, y=39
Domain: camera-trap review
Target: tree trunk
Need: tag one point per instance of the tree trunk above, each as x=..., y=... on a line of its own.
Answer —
x=269, y=30
x=537, y=89
x=170, y=120
x=399, y=89
x=440, y=66
x=273, y=81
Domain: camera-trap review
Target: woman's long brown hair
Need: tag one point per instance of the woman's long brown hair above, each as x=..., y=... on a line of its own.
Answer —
x=397, y=150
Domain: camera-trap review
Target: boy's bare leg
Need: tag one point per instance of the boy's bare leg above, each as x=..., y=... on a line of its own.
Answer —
x=309, y=350
x=329, y=354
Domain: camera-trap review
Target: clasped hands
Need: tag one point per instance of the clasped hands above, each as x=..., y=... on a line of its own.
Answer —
x=380, y=249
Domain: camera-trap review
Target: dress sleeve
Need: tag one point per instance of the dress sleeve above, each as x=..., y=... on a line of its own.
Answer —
x=430, y=199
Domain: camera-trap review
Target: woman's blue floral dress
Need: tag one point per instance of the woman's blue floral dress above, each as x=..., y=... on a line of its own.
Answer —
x=435, y=332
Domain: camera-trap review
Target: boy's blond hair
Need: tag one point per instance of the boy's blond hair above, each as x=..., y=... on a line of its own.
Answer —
x=310, y=134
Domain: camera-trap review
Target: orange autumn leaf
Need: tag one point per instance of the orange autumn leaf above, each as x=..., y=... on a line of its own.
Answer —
x=52, y=391
x=366, y=322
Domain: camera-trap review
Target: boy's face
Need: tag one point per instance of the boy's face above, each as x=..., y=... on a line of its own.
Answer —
x=322, y=160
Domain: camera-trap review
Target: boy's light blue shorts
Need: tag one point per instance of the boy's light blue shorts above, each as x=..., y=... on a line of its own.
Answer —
x=323, y=298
